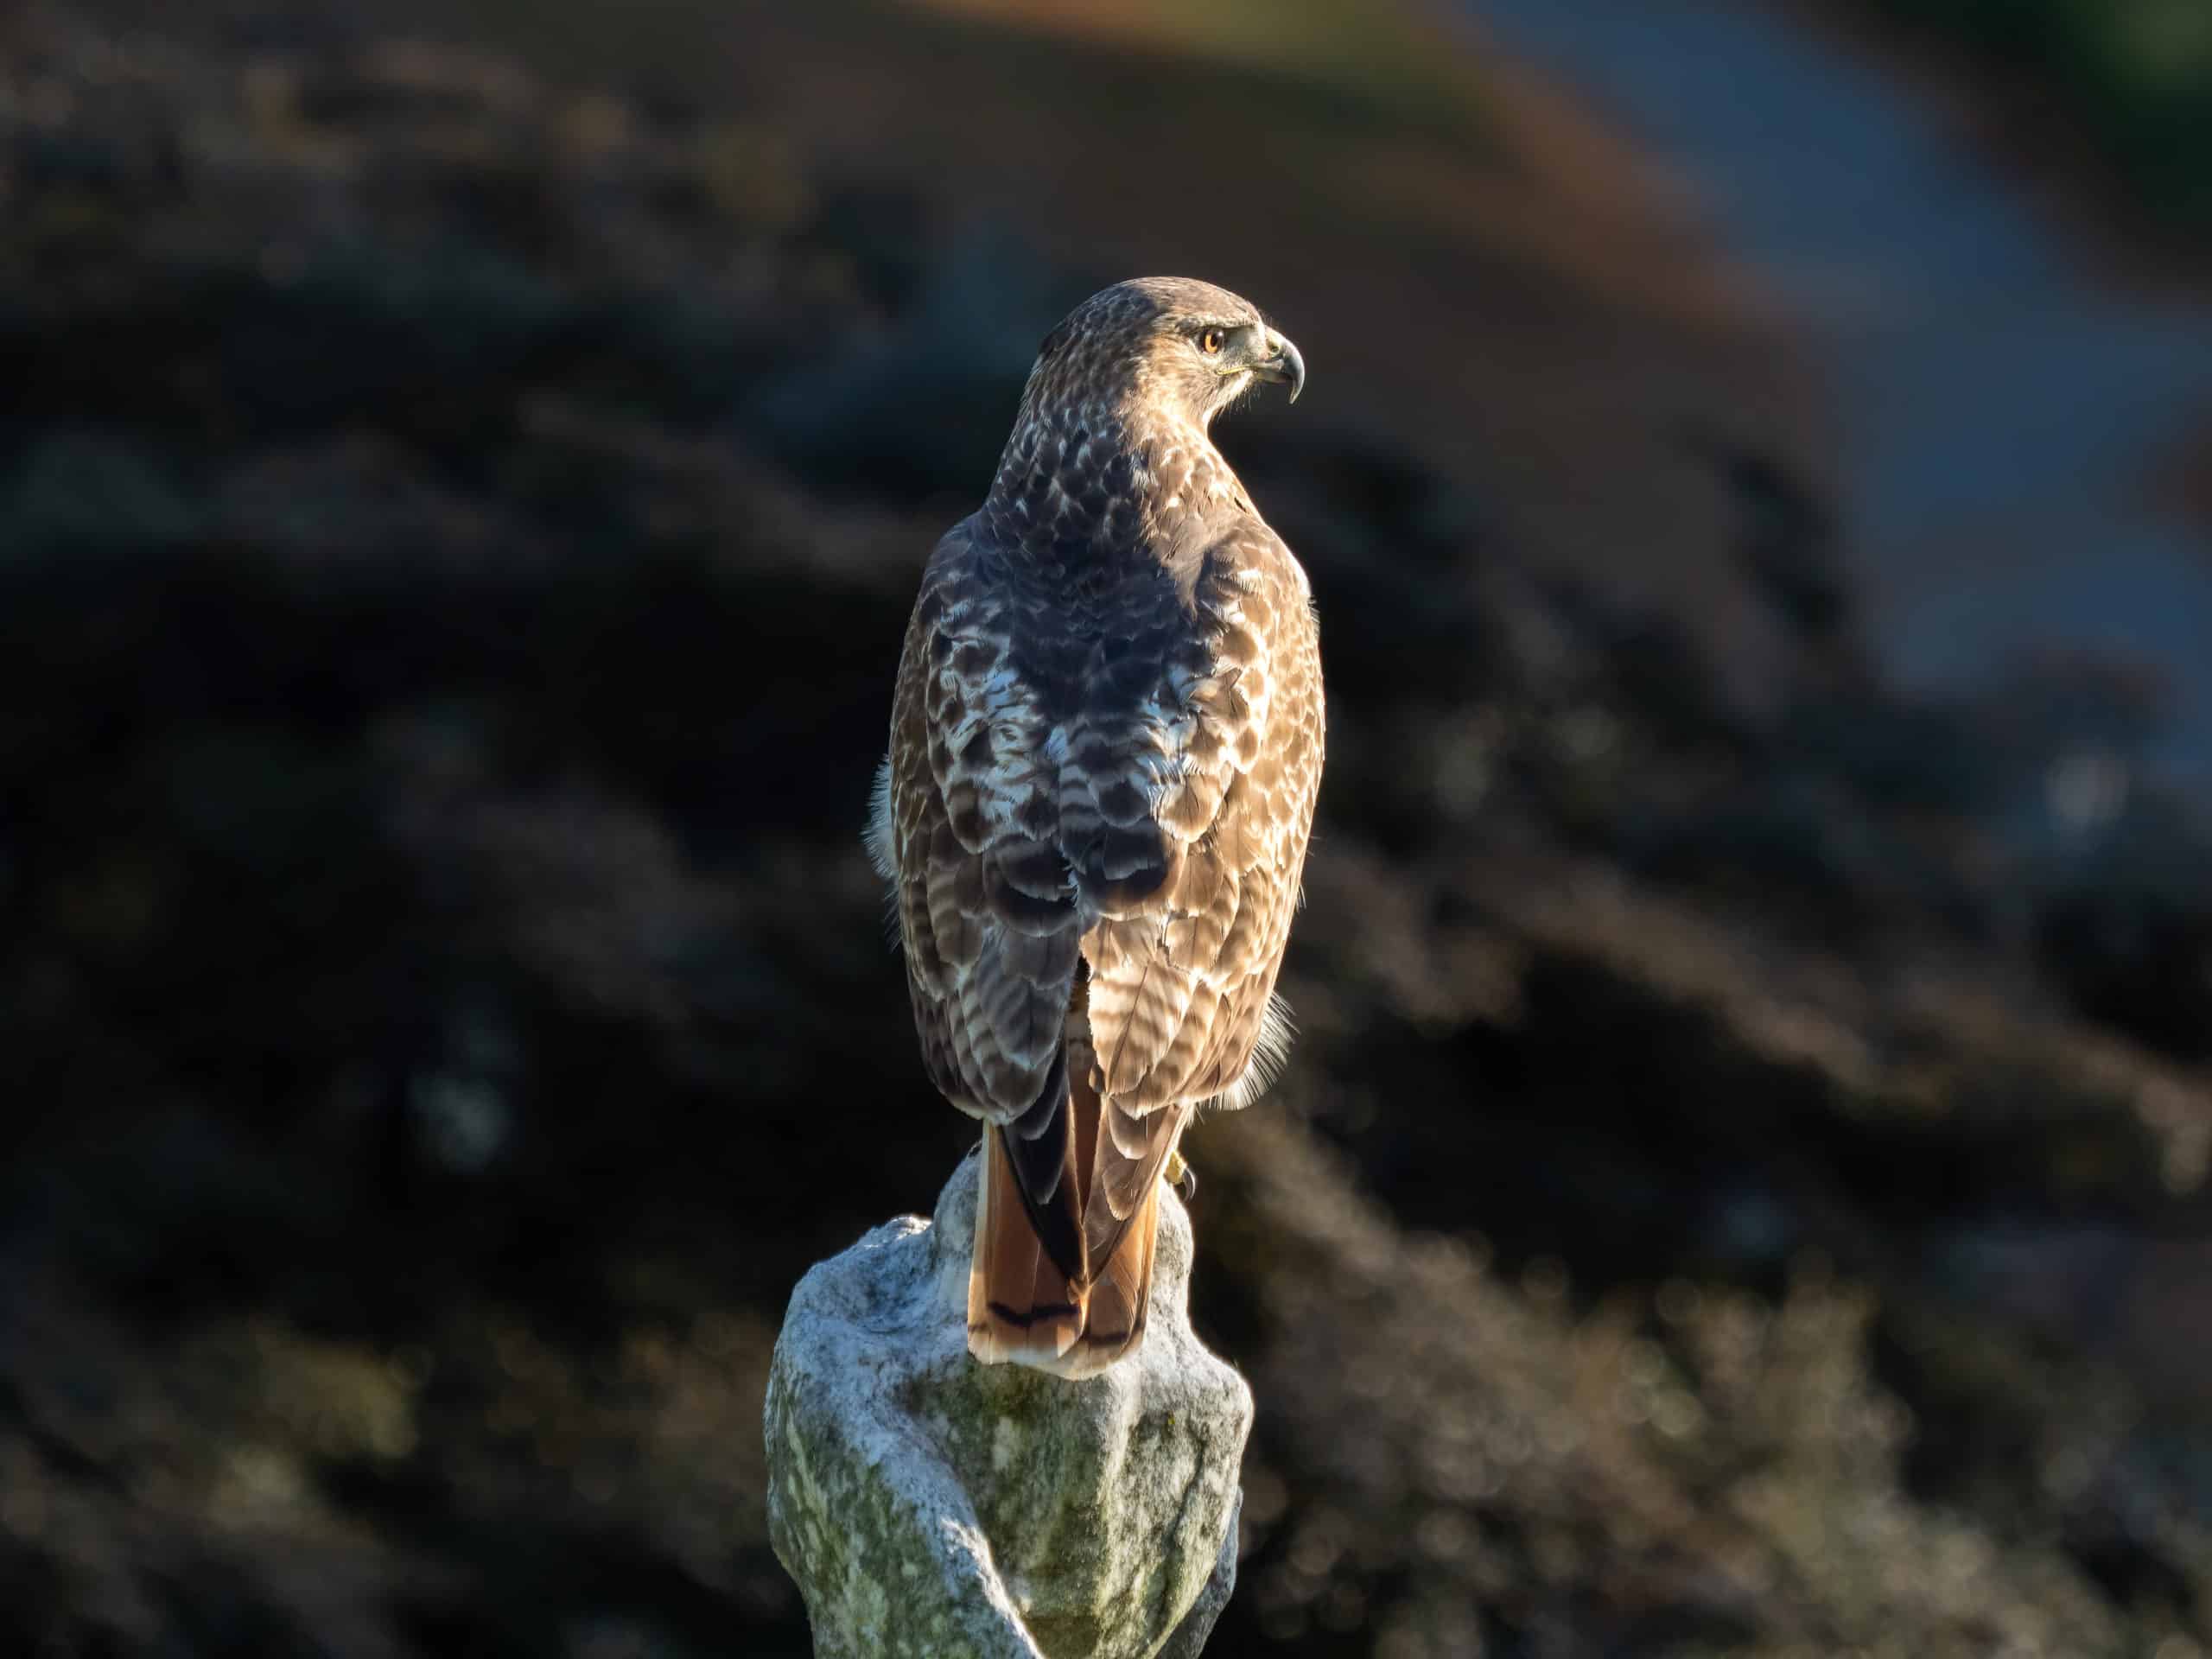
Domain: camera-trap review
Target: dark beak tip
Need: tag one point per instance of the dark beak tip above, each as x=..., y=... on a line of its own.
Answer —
x=1294, y=367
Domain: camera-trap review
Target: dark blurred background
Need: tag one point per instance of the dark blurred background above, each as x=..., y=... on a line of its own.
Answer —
x=464, y=467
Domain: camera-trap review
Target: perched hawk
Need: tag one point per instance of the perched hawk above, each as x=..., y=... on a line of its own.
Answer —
x=1104, y=748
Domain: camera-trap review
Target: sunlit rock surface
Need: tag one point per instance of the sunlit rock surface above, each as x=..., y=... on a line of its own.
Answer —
x=928, y=1505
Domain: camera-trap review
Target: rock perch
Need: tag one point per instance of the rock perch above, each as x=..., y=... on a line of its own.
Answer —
x=929, y=1506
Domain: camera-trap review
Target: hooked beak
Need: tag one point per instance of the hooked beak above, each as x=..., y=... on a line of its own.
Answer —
x=1285, y=368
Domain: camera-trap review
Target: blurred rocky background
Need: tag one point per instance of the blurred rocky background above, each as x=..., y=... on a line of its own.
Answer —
x=1741, y=1185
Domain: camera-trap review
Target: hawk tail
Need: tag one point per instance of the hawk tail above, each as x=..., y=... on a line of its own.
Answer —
x=1023, y=1308
x=1024, y=1305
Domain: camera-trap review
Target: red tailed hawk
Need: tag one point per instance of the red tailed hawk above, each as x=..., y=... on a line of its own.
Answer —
x=1104, y=747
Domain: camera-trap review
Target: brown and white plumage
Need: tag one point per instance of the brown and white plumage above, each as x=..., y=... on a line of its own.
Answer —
x=1105, y=744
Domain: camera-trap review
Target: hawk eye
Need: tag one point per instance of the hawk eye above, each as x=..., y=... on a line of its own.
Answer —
x=1211, y=342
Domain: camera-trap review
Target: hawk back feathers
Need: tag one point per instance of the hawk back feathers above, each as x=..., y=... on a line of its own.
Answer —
x=1106, y=742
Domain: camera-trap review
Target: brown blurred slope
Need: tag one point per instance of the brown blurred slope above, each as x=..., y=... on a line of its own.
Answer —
x=458, y=510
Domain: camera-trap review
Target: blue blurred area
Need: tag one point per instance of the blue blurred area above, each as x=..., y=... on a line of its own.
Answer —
x=2005, y=407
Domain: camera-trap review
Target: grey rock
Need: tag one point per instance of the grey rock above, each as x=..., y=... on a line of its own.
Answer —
x=930, y=1506
x=1188, y=1639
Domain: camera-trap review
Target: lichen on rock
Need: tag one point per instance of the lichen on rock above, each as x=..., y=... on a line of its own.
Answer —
x=927, y=1505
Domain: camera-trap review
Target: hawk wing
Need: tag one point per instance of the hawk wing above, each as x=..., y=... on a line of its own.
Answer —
x=1197, y=841
x=987, y=910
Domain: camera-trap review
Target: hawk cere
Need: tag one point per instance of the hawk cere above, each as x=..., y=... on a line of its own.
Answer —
x=1105, y=743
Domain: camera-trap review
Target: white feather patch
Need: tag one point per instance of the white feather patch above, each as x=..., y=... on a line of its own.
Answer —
x=881, y=838
x=882, y=844
x=1270, y=1051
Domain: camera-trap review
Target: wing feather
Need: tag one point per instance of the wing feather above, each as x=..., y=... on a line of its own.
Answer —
x=1182, y=977
x=987, y=912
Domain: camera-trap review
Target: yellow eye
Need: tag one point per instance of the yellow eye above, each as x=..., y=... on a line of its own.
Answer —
x=1211, y=341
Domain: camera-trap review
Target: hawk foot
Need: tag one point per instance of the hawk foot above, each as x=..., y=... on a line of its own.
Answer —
x=1182, y=1177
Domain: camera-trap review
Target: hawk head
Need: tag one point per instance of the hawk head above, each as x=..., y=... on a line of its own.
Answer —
x=1177, y=348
